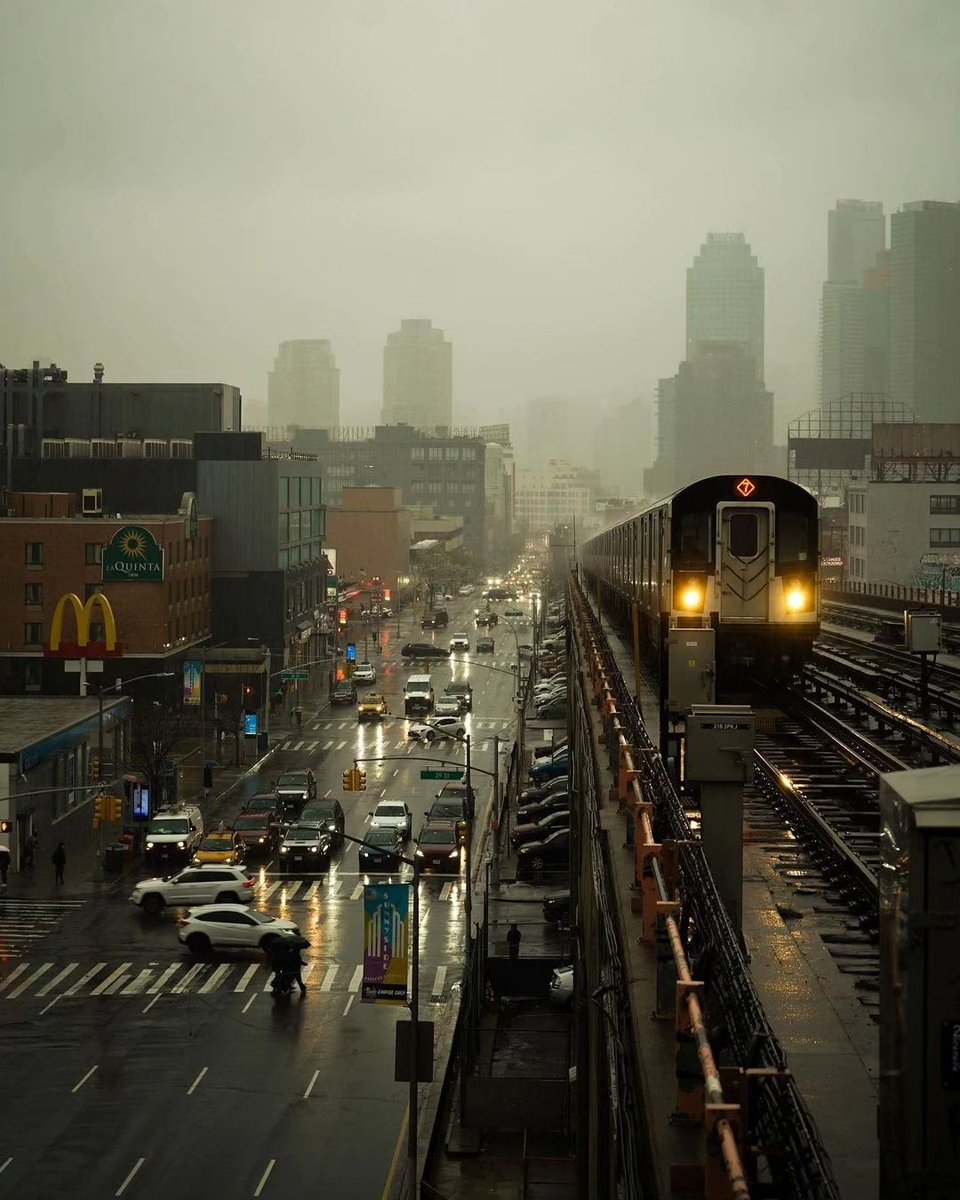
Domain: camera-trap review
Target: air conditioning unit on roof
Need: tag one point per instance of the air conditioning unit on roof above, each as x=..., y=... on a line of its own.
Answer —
x=130, y=447
x=77, y=447
x=53, y=448
x=103, y=447
x=181, y=448
x=155, y=448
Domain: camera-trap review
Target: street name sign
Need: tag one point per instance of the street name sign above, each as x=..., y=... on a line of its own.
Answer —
x=458, y=774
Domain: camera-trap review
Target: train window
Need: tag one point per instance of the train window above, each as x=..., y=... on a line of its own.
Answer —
x=744, y=535
x=794, y=540
x=692, y=549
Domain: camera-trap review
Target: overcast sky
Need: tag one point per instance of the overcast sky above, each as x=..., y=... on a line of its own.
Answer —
x=185, y=183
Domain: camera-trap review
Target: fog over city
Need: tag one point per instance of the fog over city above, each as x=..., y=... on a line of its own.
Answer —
x=186, y=185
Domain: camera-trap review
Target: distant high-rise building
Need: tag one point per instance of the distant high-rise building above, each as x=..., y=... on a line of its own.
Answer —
x=876, y=326
x=418, y=377
x=856, y=235
x=304, y=386
x=925, y=308
x=725, y=296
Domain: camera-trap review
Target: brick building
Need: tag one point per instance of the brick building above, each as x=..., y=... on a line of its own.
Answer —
x=371, y=535
x=162, y=608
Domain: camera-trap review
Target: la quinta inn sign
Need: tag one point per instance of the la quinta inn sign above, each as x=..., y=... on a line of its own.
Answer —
x=133, y=555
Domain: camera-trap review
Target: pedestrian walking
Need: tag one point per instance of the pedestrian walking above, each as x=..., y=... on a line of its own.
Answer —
x=513, y=940
x=59, y=860
x=4, y=864
x=29, y=849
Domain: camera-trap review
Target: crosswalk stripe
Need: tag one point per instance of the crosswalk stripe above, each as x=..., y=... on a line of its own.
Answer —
x=311, y=890
x=290, y=891
x=356, y=979
x=84, y=979
x=340, y=745
x=185, y=982
x=269, y=890
x=165, y=975
x=438, y=981
x=138, y=983
x=295, y=746
x=357, y=892
x=335, y=888
x=327, y=745
x=329, y=977
x=14, y=975
x=31, y=979
x=58, y=978
x=445, y=891
x=248, y=974
x=214, y=981
x=102, y=987
x=112, y=988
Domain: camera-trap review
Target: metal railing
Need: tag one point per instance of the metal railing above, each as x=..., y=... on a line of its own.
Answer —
x=701, y=965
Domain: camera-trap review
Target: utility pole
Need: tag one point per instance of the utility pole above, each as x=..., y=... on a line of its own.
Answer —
x=471, y=808
x=495, y=871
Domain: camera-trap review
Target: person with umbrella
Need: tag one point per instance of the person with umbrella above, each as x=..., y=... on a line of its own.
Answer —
x=284, y=955
x=4, y=863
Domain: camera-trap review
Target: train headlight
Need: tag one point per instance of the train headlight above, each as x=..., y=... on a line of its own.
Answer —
x=691, y=596
x=796, y=598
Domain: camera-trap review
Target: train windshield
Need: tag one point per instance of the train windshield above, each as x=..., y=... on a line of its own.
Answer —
x=692, y=541
x=796, y=541
x=744, y=535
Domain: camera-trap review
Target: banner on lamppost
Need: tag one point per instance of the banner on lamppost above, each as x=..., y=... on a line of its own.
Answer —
x=192, y=675
x=386, y=943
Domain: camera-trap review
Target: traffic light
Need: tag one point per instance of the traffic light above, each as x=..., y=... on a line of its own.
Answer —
x=348, y=780
x=116, y=808
x=343, y=616
x=99, y=808
x=360, y=780
x=386, y=593
x=94, y=768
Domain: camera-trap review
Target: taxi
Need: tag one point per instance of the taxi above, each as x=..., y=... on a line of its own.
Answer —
x=220, y=846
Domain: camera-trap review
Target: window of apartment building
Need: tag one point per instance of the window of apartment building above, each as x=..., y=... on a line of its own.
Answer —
x=418, y=453
x=317, y=523
x=294, y=527
x=284, y=492
x=92, y=553
x=33, y=555
x=945, y=504
x=294, y=493
x=33, y=593
x=435, y=454
x=283, y=528
x=469, y=453
x=945, y=537
x=32, y=676
x=33, y=633
x=453, y=454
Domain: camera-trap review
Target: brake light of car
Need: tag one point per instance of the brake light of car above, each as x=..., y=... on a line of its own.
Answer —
x=248, y=883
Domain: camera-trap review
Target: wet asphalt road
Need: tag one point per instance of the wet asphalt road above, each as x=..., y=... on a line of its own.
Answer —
x=129, y=1070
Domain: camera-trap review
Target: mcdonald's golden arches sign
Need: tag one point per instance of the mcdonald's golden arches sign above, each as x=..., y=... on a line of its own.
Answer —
x=82, y=647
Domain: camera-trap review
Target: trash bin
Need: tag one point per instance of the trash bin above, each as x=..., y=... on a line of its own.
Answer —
x=113, y=857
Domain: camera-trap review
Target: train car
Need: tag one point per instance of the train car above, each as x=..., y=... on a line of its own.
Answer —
x=736, y=553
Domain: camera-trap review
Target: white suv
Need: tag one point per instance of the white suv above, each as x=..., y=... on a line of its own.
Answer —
x=195, y=885
x=392, y=814
x=459, y=641
x=365, y=672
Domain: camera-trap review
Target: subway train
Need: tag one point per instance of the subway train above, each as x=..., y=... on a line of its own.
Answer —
x=738, y=553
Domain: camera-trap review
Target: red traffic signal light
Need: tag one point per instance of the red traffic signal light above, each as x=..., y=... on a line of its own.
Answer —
x=342, y=616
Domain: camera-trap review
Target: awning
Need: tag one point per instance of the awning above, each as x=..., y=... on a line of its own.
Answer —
x=304, y=626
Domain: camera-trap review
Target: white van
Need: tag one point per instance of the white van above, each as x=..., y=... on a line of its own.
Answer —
x=418, y=695
x=174, y=833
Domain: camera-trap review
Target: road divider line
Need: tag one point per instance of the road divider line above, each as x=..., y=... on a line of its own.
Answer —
x=264, y=1177
x=349, y=1004
x=214, y=980
x=356, y=979
x=22, y=987
x=329, y=977
x=250, y=1001
x=306, y=1094
x=136, y=1167
x=196, y=1083
x=241, y=985
x=151, y=1004
x=50, y=1005
x=392, y=1169
x=77, y=1086
x=4, y=1165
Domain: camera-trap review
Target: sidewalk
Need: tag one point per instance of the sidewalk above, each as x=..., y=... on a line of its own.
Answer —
x=81, y=840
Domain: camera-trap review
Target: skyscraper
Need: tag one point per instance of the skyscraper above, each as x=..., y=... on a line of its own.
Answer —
x=418, y=377
x=925, y=308
x=856, y=234
x=304, y=386
x=725, y=296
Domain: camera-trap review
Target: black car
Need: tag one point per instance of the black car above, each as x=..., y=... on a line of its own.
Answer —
x=485, y=645
x=547, y=748
x=463, y=692
x=328, y=815
x=551, y=854
x=423, y=650
x=486, y=619
x=529, y=813
x=381, y=849
x=459, y=791
x=530, y=794
x=438, y=847
x=344, y=693
x=536, y=831
x=296, y=787
x=556, y=909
